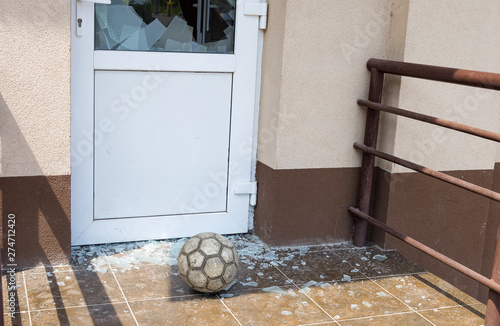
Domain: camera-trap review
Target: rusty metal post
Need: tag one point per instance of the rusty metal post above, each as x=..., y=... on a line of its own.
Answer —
x=368, y=162
x=493, y=305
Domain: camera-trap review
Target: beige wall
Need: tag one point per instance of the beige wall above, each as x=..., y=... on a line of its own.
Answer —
x=35, y=88
x=314, y=69
x=460, y=34
x=272, y=63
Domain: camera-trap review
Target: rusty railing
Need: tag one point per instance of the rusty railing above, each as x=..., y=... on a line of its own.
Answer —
x=378, y=68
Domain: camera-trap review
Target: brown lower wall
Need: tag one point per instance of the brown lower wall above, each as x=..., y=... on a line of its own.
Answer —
x=305, y=206
x=444, y=217
x=41, y=205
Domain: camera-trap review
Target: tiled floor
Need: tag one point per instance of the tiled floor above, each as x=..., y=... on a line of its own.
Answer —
x=138, y=284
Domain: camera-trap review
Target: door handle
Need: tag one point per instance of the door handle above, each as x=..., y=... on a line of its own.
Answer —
x=80, y=8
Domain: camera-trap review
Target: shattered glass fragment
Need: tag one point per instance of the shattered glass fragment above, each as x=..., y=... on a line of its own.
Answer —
x=380, y=257
x=309, y=284
x=178, y=30
x=230, y=285
x=275, y=290
x=346, y=278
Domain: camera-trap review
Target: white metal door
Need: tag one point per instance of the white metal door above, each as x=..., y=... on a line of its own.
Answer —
x=162, y=119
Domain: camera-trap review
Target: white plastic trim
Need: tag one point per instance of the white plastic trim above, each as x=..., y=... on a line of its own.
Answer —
x=257, y=9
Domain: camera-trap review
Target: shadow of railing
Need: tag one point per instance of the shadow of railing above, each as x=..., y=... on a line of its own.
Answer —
x=40, y=205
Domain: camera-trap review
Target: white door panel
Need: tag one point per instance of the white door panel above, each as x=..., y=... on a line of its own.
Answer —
x=161, y=144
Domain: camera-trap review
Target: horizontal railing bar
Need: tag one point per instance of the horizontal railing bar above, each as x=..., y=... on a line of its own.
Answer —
x=442, y=74
x=429, y=251
x=432, y=173
x=432, y=120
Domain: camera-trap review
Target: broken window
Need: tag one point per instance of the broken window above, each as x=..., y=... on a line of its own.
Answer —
x=166, y=25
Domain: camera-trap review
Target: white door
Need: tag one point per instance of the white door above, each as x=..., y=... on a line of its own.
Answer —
x=163, y=109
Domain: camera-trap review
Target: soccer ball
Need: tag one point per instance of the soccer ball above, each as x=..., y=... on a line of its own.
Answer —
x=208, y=262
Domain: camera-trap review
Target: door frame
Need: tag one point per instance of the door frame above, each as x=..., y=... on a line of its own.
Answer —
x=84, y=60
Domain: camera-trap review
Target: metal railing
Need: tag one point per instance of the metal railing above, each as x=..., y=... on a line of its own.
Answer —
x=378, y=68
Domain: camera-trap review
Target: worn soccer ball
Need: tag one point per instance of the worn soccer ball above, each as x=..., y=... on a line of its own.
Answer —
x=208, y=262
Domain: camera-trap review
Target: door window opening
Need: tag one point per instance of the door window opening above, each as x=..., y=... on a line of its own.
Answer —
x=205, y=26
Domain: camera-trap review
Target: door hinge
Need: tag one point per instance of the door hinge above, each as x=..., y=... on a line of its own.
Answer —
x=247, y=188
x=257, y=9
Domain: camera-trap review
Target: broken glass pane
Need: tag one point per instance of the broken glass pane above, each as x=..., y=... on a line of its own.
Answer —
x=166, y=25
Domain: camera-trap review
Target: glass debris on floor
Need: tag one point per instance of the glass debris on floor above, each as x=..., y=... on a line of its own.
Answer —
x=138, y=284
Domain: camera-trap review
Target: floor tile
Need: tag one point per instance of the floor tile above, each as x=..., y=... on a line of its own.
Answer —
x=330, y=247
x=45, y=269
x=180, y=311
x=100, y=315
x=84, y=263
x=420, y=294
x=356, y=299
x=320, y=266
x=315, y=248
x=454, y=316
x=71, y=289
x=446, y=289
x=17, y=319
x=260, y=274
x=388, y=262
x=264, y=308
x=481, y=308
x=16, y=292
x=152, y=282
x=88, y=292
x=412, y=319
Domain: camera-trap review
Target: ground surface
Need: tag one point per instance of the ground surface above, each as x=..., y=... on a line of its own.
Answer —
x=138, y=284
